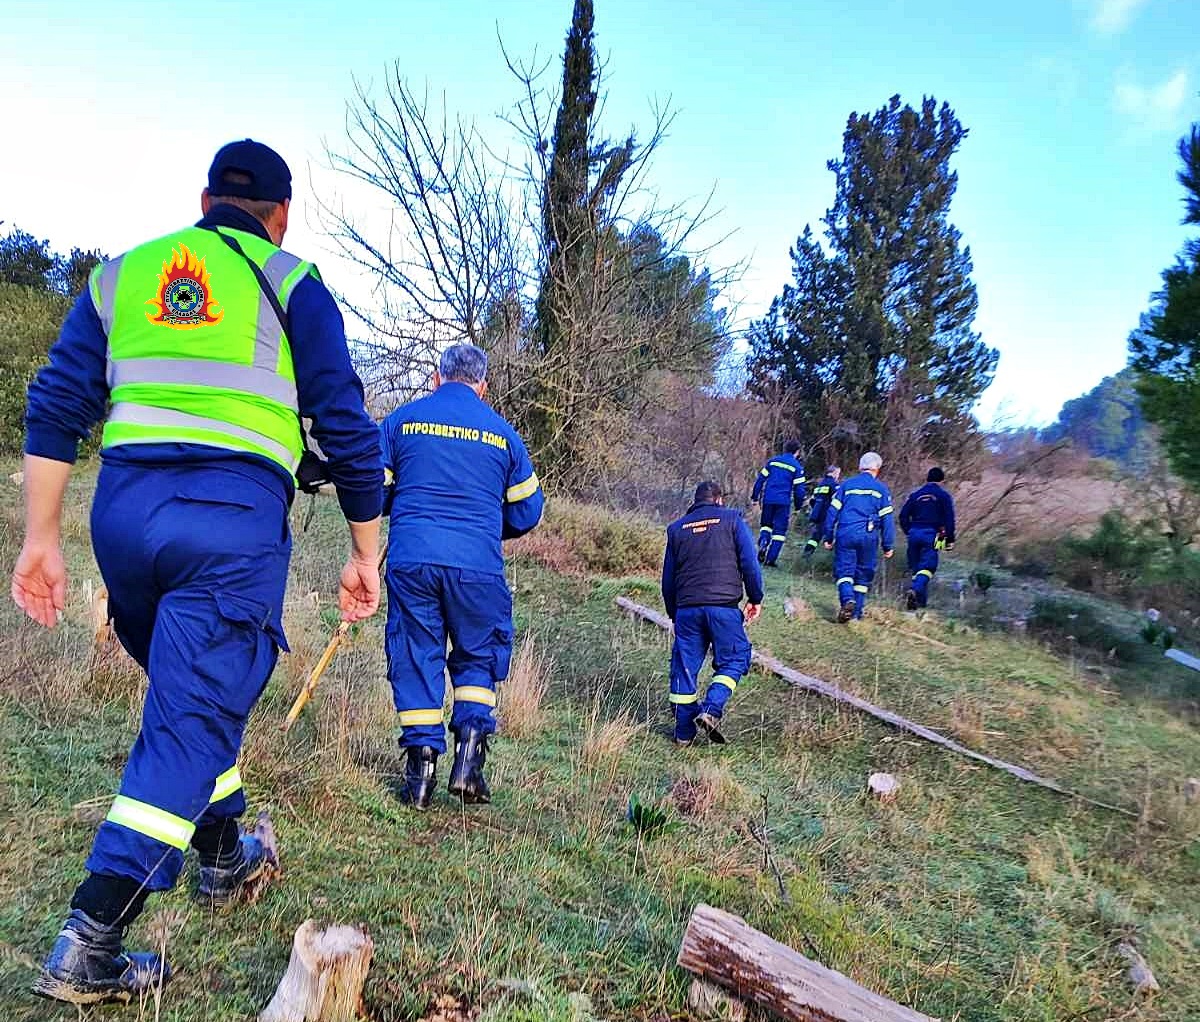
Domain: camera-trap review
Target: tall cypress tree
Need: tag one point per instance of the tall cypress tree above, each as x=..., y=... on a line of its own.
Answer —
x=884, y=311
x=1165, y=350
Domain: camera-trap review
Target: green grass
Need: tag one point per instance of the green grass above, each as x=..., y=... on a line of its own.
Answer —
x=974, y=897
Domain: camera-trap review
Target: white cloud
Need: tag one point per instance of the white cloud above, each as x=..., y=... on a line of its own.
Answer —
x=1155, y=107
x=1112, y=16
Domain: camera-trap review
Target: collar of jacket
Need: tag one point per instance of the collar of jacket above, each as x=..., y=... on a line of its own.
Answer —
x=707, y=503
x=225, y=215
x=459, y=388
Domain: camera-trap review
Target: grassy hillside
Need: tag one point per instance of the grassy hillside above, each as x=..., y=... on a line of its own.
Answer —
x=974, y=897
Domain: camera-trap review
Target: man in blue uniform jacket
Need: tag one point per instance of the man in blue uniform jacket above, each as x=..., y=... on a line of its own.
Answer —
x=709, y=562
x=780, y=487
x=190, y=529
x=860, y=515
x=927, y=519
x=822, y=494
x=462, y=482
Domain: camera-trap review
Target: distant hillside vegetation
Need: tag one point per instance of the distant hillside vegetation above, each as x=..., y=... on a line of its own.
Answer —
x=1106, y=422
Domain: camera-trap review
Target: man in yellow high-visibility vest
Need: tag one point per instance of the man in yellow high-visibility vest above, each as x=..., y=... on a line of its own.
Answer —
x=201, y=351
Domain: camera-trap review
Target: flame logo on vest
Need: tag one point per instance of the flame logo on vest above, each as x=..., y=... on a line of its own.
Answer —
x=184, y=299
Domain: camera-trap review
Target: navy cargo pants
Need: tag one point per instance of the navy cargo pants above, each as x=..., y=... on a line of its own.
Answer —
x=697, y=630
x=428, y=604
x=773, y=531
x=855, y=559
x=195, y=560
x=922, y=561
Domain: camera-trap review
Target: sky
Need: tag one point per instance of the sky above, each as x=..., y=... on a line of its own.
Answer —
x=110, y=114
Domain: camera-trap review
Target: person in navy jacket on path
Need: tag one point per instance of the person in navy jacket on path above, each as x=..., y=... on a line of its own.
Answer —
x=860, y=515
x=780, y=487
x=462, y=481
x=927, y=519
x=710, y=561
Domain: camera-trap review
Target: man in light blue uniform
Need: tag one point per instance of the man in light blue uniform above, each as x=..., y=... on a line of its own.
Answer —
x=462, y=481
x=860, y=514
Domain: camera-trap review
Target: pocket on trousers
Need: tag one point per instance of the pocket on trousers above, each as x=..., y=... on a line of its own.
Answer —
x=502, y=641
x=215, y=499
x=242, y=652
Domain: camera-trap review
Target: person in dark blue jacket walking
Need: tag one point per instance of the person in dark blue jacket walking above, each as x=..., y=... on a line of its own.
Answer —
x=780, y=487
x=927, y=518
x=462, y=482
x=709, y=563
x=860, y=514
x=822, y=494
x=202, y=404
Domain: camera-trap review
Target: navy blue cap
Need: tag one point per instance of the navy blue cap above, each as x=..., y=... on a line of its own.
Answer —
x=935, y=475
x=270, y=179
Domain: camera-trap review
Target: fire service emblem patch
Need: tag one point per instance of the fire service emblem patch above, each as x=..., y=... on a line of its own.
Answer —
x=184, y=297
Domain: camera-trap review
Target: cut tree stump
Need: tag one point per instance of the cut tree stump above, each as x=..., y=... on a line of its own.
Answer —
x=1140, y=975
x=883, y=786
x=324, y=977
x=724, y=949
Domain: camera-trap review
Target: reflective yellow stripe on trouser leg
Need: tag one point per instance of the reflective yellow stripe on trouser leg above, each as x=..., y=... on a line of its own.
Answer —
x=228, y=783
x=685, y=697
x=415, y=718
x=724, y=679
x=143, y=818
x=474, y=694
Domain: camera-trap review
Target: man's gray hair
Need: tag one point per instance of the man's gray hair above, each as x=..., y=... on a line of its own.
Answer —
x=870, y=462
x=463, y=363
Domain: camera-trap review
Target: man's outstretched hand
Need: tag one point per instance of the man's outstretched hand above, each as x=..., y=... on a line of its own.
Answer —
x=39, y=582
x=358, y=589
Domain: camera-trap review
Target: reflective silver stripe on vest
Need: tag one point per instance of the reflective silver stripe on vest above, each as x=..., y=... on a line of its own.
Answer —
x=108, y=293
x=204, y=373
x=148, y=415
x=268, y=339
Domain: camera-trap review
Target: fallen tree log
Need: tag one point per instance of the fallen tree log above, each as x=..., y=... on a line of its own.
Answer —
x=324, y=977
x=724, y=949
x=838, y=694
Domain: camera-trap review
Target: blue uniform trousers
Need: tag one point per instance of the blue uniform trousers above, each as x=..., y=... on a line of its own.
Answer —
x=922, y=561
x=428, y=604
x=195, y=560
x=697, y=630
x=855, y=557
x=773, y=531
x=814, y=539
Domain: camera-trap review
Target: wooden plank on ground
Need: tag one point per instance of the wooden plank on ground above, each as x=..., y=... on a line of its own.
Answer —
x=724, y=949
x=838, y=694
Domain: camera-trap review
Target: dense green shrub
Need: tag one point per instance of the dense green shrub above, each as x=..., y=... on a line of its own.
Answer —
x=29, y=322
x=1113, y=558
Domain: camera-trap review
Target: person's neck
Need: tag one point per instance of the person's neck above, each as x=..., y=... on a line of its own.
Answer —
x=224, y=214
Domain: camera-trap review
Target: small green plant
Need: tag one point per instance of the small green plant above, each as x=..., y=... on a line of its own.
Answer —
x=648, y=820
x=983, y=580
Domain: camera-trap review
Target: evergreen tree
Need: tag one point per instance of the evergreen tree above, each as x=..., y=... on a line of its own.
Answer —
x=1107, y=422
x=877, y=323
x=1165, y=349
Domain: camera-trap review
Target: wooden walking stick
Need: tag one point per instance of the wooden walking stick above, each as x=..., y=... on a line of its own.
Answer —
x=314, y=678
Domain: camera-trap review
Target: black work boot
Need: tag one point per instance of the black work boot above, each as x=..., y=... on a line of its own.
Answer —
x=223, y=878
x=420, y=777
x=846, y=612
x=466, y=779
x=710, y=724
x=87, y=965
x=910, y=600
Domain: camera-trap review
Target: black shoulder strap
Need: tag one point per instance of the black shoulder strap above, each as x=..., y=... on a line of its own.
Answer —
x=272, y=297
x=261, y=277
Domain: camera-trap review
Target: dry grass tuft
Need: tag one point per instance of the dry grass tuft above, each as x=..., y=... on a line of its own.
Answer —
x=704, y=788
x=605, y=741
x=966, y=720
x=521, y=712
